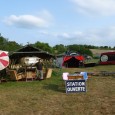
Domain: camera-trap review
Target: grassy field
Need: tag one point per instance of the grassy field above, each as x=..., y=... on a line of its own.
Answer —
x=48, y=97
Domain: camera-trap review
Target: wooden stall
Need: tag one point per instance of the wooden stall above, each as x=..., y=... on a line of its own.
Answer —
x=28, y=53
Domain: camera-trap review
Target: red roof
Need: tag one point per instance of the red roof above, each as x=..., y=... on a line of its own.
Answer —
x=105, y=53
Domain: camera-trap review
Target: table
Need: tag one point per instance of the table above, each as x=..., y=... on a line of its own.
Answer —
x=75, y=76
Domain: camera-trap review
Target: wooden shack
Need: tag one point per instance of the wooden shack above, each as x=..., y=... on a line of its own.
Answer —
x=29, y=52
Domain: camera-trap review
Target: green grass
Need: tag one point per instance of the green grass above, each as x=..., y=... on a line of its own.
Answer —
x=48, y=97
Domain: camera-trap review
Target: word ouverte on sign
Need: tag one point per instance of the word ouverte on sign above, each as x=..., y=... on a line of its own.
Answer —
x=73, y=86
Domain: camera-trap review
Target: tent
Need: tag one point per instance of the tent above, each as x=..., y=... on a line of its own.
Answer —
x=73, y=61
x=107, y=58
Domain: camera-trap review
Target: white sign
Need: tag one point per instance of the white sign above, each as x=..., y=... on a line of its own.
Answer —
x=73, y=86
x=104, y=58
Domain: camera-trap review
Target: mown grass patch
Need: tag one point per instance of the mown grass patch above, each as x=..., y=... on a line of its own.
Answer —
x=48, y=97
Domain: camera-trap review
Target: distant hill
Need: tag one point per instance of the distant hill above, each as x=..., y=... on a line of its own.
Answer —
x=97, y=52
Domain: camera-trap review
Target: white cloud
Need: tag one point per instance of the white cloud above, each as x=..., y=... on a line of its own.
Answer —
x=46, y=15
x=100, y=37
x=30, y=21
x=95, y=7
x=63, y=35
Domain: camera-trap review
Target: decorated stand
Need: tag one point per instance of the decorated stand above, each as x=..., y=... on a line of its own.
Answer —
x=4, y=62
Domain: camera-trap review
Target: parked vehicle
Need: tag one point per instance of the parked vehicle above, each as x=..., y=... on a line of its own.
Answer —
x=107, y=58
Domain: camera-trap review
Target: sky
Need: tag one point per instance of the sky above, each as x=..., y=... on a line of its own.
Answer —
x=67, y=22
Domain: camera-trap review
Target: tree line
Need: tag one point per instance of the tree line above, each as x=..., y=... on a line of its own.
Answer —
x=11, y=46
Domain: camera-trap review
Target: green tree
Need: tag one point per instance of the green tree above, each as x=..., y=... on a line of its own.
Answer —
x=8, y=45
x=79, y=49
x=12, y=46
x=3, y=43
x=58, y=49
x=43, y=46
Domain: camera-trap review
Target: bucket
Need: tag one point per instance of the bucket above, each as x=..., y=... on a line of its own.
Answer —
x=65, y=76
x=84, y=75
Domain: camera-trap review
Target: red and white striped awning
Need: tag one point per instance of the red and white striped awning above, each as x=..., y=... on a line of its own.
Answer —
x=4, y=59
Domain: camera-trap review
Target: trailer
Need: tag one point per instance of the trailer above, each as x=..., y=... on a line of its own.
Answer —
x=107, y=58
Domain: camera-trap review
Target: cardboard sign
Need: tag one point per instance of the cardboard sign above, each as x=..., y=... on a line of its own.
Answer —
x=74, y=86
